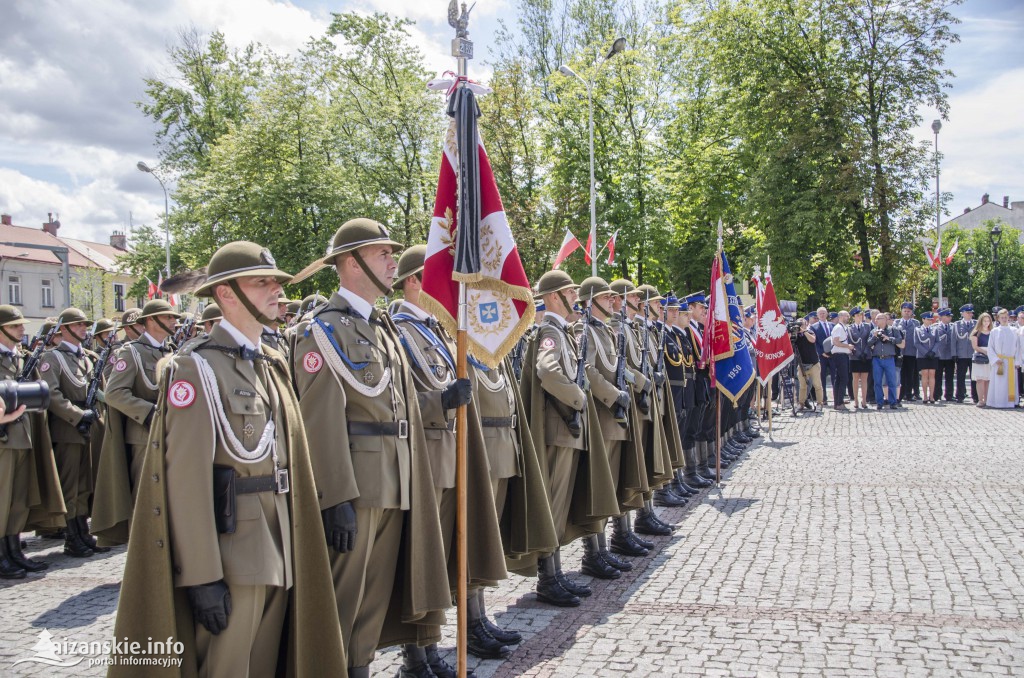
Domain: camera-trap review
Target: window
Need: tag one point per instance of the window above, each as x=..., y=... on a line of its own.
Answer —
x=47, y=294
x=119, y=297
x=14, y=289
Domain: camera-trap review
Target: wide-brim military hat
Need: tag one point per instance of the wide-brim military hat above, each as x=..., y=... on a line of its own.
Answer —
x=156, y=307
x=71, y=315
x=554, y=281
x=11, y=315
x=310, y=302
x=240, y=259
x=104, y=325
x=351, y=236
x=622, y=287
x=593, y=287
x=649, y=293
x=410, y=263
x=130, y=317
x=211, y=312
x=291, y=309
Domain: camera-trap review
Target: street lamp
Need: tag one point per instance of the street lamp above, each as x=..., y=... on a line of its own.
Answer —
x=970, y=275
x=617, y=46
x=936, y=126
x=995, y=235
x=143, y=167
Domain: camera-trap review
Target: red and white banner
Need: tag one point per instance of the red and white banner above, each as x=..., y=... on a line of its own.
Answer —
x=717, y=342
x=952, y=252
x=500, y=299
x=772, y=345
x=933, y=259
x=569, y=245
x=151, y=290
x=611, y=248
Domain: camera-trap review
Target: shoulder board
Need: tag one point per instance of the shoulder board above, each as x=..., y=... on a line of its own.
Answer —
x=193, y=344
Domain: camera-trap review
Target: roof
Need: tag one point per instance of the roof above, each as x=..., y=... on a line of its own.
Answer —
x=82, y=253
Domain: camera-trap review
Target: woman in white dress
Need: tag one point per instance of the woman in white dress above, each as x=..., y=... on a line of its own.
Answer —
x=1003, y=356
x=981, y=371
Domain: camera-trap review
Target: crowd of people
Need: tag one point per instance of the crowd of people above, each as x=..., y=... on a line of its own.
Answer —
x=873, y=360
x=285, y=479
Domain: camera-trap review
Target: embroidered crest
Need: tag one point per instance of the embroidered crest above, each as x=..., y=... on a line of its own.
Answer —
x=248, y=430
x=112, y=359
x=181, y=393
x=45, y=367
x=121, y=365
x=312, y=362
x=344, y=321
x=267, y=257
x=547, y=343
x=368, y=377
x=441, y=371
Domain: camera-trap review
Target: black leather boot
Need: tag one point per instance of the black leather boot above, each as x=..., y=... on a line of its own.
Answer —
x=73, y=544
x=680, y=486
x=8, y=568
x=621, y=543
x=504, y=635
x=570, y=585
x=549, y=590
x=439, y=666
x=414, y=664
x=609, y=557
x=694, y=479
x=480, y=642
x=593, y=564
x=15, y=554
x=667, y=498
x=90, y=541
x=646, y=523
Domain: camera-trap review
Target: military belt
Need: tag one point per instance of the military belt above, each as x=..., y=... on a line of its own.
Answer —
x=375, y=428
x=677, y=382
x=449, y=427
x=498, y=422
x=257, y=484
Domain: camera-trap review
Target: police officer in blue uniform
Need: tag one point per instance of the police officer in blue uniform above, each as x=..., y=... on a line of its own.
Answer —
x=963, y=352
x=944, y=350
x=910, y=385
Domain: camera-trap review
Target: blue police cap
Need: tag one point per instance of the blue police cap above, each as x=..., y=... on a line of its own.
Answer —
x=539, y=306
x=855, y=310
x=967, y=308
x=833, y=315
x=749, y=311
x=671, y=301
x=696, y=298
x=945, y=312
x=927, y=315
x=907, y=304
x=867, y=314
x=1019, y=310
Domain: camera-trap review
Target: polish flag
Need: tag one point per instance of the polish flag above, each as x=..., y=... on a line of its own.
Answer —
x=590, y=248
x=611, y=248
x=933, y=259
x=151, y=290
x=569, y=245
x=952, y=252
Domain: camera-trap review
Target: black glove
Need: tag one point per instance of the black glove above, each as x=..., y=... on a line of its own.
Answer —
x=149, y=418
x=623, y=399
x=211, y=605
x=340, y=526
x=86, y=422
x=457, y=393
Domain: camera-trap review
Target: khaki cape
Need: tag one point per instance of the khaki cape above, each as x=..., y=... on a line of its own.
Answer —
x=45, y=499
x=112, y=497
x=152, y=607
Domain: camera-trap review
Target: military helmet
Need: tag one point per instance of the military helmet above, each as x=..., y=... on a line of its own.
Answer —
x=156, y=307
x=410, y=263
x=104, y=325
x=593, y=286
x=130, y=317
x=310, y=302
x=11, y=315
x=291, y=309
x=240, y=259
x=71, y=315
x=554, y=281
x=622, y=287
x=649, y=293
x=352, y=235
x=48, y=325
x=211, y=313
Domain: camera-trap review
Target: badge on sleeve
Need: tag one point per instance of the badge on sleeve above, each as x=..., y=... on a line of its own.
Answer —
x=112, y=359
x=547, y=343
x=45, y=367
x=312, y=362
x=121, y=365
x=181, y=393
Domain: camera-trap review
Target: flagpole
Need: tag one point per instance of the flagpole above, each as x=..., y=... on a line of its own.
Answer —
x=462, y=50
x=718, y=392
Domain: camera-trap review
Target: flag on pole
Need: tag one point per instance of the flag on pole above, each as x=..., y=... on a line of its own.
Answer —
x=569, y=245
x=725, y=348
x=611, y=248
x=772, y=346
x=151, y=290
x=952, y=252
x=590, y=248
x=933, y=259
x=473, y=244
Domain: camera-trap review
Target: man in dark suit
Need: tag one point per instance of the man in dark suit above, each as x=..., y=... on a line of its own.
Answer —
x=822, y=330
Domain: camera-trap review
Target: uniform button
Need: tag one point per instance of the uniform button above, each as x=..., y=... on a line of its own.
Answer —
x=156, y=477
x=154, y=444
x=160, y=543
x=156, y=510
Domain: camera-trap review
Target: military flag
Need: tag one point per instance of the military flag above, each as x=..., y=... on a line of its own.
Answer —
x=725, y=348
x=772, y=345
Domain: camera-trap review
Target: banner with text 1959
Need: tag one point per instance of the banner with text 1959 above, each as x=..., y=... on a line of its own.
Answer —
x=725, y=347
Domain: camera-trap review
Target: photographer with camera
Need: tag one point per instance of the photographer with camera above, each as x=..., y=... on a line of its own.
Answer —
x=804, y=342
x=883, y=342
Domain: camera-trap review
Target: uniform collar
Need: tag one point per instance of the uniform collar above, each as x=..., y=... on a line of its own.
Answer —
x=150, y=340
x=5, y=350
x=415, y=311
x=71, y=348
x=237, y=335
x=358, y=304
x=556, y=320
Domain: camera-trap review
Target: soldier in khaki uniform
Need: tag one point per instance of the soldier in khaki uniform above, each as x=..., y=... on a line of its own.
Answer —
x=239, y=508
x=131, y=388
x=130, y=324
x=19, y=447
x=432, y=356
x=369, y=454
x=272, y=331
x=67, y=370
x=211, y=314
x=613, y=412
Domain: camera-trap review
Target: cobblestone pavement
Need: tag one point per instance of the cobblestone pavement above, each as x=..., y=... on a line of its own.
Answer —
x=871, y=543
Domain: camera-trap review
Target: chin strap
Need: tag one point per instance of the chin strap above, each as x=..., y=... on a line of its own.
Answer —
x=607, y=313
x=565, y=302
x=170, y=332
x=233, y=284
x=7, y=334
x=370, y=274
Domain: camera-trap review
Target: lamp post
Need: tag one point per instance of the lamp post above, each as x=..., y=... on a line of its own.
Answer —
x=995, y=235
x=970, y=275
x=936, y=126
x=617, y=46
x=143, y=167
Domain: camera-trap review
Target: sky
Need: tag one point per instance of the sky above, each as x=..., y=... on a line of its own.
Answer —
x=72, y=70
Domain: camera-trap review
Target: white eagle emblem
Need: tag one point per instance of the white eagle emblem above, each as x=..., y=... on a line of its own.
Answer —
x=771, y=327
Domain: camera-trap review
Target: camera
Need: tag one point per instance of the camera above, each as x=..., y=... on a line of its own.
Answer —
x=34, y=395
